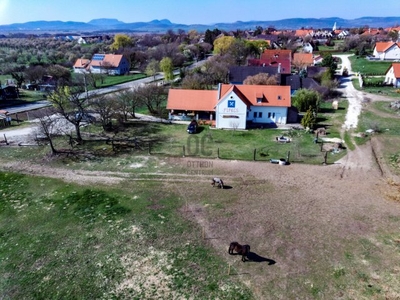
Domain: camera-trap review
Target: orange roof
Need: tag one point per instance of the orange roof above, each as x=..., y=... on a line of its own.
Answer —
x=303, y=58
x=276, y=53
x=303, y=32
x=206, y=100
x=383, y=46
x=197, y=100
x=81, y=63
x=396, y=69
x=273, y=95
x=113, y=60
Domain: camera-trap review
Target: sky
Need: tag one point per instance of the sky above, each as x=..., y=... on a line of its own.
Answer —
x=190, y=11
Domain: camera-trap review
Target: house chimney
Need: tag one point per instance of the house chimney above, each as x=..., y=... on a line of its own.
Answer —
x=279, y=68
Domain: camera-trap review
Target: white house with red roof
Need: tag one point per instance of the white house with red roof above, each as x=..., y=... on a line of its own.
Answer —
x=387, y=50
x=233, y=106
x=111, y=64
x=392, y=76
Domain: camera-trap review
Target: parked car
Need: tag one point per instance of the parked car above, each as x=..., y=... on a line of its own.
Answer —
x=192, y=128
x=85, y=117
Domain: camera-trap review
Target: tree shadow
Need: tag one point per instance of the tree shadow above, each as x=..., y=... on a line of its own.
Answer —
x=254, y=257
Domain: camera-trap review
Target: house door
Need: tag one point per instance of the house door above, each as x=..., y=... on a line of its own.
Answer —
x=278, y=119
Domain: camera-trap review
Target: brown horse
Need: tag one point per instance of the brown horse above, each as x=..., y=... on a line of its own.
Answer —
x=242, y=250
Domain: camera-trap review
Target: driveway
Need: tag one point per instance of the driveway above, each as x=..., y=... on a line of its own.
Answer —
x=354, y=97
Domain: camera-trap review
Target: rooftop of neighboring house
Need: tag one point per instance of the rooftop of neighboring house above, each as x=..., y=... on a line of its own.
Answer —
x=303, y=58
x=274, y=54
x=238, y=74
x=282, y=65
x=81, y=63
x=99, y=60
x=396, y=69
x=383, y=46
x=303, y=32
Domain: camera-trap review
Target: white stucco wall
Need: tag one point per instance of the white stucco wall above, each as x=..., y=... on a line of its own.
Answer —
x=393, y=53
x=263, y=114
x=231, y=112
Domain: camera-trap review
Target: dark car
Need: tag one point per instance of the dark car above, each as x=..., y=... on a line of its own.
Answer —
x=192, y=128
x=85, y=117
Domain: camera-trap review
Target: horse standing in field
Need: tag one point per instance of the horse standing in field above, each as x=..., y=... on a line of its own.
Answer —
x=242, y=250
x=217, y=181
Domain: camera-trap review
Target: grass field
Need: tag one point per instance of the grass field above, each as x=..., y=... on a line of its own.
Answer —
x=368, y=67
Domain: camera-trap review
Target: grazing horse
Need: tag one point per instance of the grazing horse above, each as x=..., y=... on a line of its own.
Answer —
x=217, y=181
x=242, y=250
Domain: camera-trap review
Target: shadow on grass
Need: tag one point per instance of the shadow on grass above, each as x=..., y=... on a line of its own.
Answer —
x=254, y=257
x=227, y=187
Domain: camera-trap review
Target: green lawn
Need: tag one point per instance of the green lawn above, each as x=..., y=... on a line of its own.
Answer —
x=367, y=67
x=379, y=90
x=63, y=241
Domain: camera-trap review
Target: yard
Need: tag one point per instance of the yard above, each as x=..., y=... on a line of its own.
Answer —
x=369, y=67
x=137, y=226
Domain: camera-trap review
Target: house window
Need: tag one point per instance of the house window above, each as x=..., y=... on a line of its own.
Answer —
x=255, y=114
x=260, y=114
x=273, y=115
x=279, y=97
x=269, y=115
x=259, y=100
x=247, y=114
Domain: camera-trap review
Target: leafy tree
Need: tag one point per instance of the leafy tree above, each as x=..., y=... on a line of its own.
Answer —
x=261, y=79
x=153, y=67
x=309, y=119
x=19, y=78
x=59, y=72
x=121, y=41
x=222, y=44
x=304, y=99
x=167, y=67
x=329, y=61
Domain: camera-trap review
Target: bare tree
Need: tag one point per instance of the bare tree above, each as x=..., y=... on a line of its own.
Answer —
x=47, y=126
x=127, y=101
x=261, y=79
x=153, y=96
x=71, y=102
x=104, y=106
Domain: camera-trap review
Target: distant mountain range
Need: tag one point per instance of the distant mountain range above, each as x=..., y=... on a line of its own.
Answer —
x=114, y=25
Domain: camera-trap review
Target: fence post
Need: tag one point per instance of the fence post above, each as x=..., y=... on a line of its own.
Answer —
x=183, y=149
x=254, y=154
x=287, y=157
x=218, y=152
x=325, y=158
x=322, y=145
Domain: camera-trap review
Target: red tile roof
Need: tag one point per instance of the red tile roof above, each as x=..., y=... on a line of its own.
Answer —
x=274, y=95
x=206, y=100
x=303, y=32
x=273, y=54
x=112, y=60
x=396, y=69
x=383, y=46
x=81, y=63
x=303, y=58
x=197, y=100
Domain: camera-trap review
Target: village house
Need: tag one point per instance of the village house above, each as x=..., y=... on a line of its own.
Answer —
x=234, y=106
x=111, y=64
x=387, y=50
x=392, y=76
